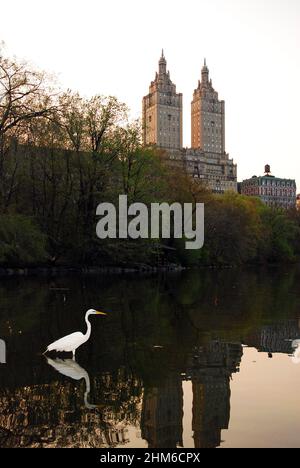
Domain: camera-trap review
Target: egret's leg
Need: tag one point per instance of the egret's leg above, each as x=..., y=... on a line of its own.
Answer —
x=74, y=355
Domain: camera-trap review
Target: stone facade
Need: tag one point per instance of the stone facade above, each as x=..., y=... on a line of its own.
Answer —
x=208, y=117
x=162, y=111
x=207, y=159
x=217, y=172
x=273, y=191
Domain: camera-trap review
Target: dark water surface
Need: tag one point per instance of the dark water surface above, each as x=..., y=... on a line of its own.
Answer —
x=196, y=359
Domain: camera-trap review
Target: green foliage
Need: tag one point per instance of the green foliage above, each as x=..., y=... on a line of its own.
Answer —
x=243, y=230
x=21, y=241
x=188, y=258
x=61, y=155
x=232, y=229
x=280, y=236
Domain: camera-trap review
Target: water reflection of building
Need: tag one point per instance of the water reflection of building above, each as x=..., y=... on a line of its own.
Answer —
x=162, y=414
x=210, y=370
x=275, y=338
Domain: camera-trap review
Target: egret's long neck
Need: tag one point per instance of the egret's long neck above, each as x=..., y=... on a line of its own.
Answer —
x=89, y=328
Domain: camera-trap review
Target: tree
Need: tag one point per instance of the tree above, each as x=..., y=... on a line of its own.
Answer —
x=21, y=241
x=71, y=117
x=142, y=170
x=24, y=96
x=103, y=115
x=233, y=229
x=281, y=234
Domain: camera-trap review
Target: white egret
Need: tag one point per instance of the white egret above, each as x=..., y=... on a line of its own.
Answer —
x=71, y=342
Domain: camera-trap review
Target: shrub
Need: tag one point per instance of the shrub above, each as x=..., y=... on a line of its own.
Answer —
x=21, y=241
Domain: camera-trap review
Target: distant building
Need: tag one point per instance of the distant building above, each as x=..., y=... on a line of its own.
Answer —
x=162, y=111
x=207, y=159
x=273, y=191
x=208, y=116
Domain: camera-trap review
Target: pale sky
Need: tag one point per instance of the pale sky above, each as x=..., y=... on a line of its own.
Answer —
x=112, y=47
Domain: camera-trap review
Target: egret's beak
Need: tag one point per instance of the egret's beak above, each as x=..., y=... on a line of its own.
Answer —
x=101, y=313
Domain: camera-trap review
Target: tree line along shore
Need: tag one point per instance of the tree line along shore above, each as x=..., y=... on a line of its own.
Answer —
x=62, y=154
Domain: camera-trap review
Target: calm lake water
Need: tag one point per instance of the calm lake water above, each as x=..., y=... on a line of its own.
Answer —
x=196, y=359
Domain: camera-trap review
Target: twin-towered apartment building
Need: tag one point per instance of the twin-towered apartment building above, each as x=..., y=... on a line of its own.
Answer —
x=207, y=158
x=162, y=126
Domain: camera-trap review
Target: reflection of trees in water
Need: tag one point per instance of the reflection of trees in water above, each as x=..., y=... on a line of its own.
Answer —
x=186, y=315
x=54, y=415
x=161, y=310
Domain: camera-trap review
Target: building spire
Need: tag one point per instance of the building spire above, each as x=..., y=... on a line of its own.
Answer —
x=205, y=73
x=162, y=64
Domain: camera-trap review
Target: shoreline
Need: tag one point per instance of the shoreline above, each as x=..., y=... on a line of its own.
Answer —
x=8, y=272
x=48, y=271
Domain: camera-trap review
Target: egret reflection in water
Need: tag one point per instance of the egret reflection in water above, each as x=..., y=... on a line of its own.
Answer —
x=2, y=352
x=70, y=368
